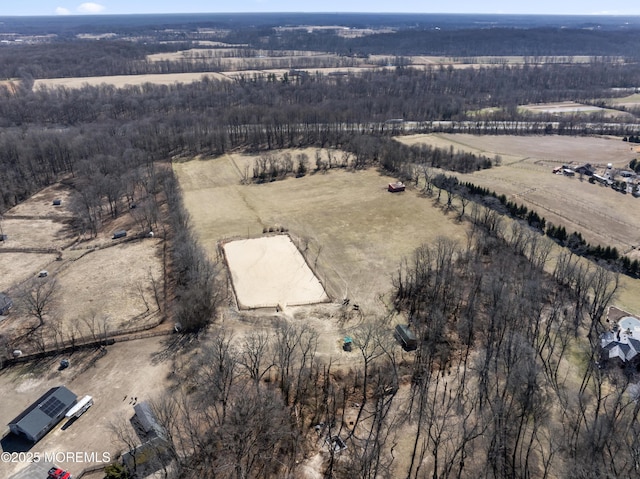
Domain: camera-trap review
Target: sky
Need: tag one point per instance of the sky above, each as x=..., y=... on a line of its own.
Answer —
x=118, y=7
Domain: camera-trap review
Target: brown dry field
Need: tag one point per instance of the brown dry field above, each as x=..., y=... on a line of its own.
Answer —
x=235, y=67
x=355, y=233
x=198, y=53
x=120, y=81
x=104, y=282
x=570, y=107
x=560, y=107
x=135, y=369
x=17, y=267
x=41, y=204
x=35, y=233
x=35, y=223
x=602, y=215
x=631, y=101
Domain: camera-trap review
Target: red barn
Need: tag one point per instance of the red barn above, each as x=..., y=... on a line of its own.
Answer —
x=396, y=187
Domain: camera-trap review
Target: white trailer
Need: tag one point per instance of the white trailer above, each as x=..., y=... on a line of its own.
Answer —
x=80, y=407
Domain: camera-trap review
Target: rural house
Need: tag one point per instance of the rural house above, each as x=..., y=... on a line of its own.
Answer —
x=623, y=342
x=585, y=169
x=44, y=414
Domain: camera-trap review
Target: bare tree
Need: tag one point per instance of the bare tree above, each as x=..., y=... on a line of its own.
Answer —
x=255, y=355
x=37, y=297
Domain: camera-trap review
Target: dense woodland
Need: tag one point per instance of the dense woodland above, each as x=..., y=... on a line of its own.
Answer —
x=47, y=133
x=506, y=382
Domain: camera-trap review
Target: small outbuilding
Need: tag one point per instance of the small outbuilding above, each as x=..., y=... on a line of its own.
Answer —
x=406, y=337
x=119, y=234
x=57, y=202
x=396, y=187
x=145, y=421
x=44, y=414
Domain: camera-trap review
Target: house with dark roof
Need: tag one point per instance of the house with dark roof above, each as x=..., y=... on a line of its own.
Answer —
x=585, y=169
x=44, y=414
x=154, y=453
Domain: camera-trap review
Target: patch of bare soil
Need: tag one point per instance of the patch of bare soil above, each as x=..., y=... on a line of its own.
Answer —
x=271, y=272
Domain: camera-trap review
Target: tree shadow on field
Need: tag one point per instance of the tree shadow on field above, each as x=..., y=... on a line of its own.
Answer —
x=176, y=344
x=36, y=367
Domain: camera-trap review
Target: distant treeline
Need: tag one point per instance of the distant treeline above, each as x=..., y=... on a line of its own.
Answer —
x=46, y=133
x=72, y=57
x=531, y=42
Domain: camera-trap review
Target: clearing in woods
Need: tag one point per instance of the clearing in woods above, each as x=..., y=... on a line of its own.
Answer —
x=352, y=231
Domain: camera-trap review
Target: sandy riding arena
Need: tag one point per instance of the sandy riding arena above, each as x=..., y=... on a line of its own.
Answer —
x=271, y=272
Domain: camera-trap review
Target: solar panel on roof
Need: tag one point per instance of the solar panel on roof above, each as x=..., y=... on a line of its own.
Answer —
x=52, y=407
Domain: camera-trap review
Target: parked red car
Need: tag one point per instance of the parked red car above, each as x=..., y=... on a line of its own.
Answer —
x=57, y=473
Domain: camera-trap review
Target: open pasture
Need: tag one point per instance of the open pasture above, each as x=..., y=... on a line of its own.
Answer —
x=40, y=205
x=573, y=108
x=120, y=81
x=18, y=267
x=110, y=283
x=631, y=101
x=561, y=107
x=351, y=230
x=601, y=214
x=262, y=62
x=38, y=234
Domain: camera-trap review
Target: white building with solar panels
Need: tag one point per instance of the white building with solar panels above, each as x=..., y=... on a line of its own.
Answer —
x=43, y=415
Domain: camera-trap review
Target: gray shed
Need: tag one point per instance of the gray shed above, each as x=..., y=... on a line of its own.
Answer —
x=44, y=414
x=406, y=337
x=147, y=421
x=119, y=234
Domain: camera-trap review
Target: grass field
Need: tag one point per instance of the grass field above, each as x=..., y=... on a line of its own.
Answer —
x=120, y=81
x=262, y=64
x=570, y=107
x=627, y=101
x=17, y=267
x=352, y=231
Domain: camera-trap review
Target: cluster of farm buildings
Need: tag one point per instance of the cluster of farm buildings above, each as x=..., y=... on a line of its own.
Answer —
x=625, y=181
